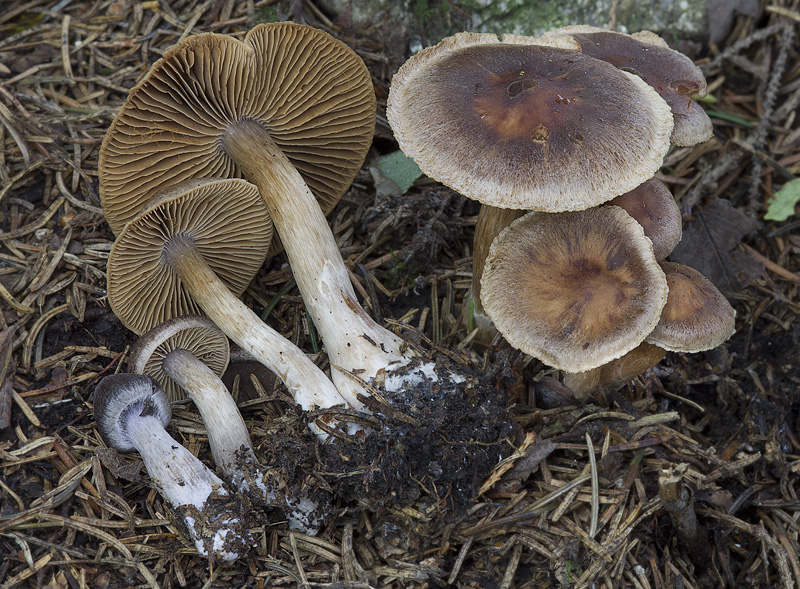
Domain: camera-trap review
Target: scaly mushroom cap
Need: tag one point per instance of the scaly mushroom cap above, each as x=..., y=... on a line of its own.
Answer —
x=228, y=222
x=310, y=91
x=697, y=315
x=669, y=72
x=652, y=205
x=117, y=396
x=197, y=335
x=523, y=124
x=575, y=290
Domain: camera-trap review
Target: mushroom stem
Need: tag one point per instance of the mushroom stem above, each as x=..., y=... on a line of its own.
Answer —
x=491, y=221
x=355, y=343
x=305, y=381
x=181, y=479
x=230, y=442
x=227, y=433
x=152, y=442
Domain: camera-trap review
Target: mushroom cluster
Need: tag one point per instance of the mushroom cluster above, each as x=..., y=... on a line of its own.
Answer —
x=226, y=152
x=290, y=112
x=572, y=128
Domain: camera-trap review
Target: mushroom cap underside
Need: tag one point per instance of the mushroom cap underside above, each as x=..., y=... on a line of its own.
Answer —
x=227, y=222
x=195, y=334
x=311, y=92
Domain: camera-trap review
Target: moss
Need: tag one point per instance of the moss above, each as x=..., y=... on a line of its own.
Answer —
x=263, y=14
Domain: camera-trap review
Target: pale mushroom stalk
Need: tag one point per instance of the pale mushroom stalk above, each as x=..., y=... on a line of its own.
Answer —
x=305, y=381
x=354, y=342
x=230, y=442
x=491, y=221
x=131, y=412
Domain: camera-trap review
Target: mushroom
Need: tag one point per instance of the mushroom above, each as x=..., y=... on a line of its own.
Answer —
x=652, y=205
x=697, y=315
x=525, y=124
x=190, y=353
x=290, y=109
x=575, y=289
x=669, y=72
x=131, y=412
x=195, y=247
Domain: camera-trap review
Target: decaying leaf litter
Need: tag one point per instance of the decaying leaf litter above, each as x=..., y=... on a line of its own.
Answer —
x=587, y=494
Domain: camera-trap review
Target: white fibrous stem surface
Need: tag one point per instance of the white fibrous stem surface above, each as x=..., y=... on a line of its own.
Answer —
x=354, y=342
x=183, y=480
x=227, y=433
x=307, y=384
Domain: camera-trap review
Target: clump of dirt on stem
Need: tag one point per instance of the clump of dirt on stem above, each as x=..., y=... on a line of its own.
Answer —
x=431, y=446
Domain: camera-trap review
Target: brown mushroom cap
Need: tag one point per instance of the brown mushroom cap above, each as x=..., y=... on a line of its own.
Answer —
x=652, y=205
x=310, y=91
x=197, y=335
x=697, y=315
x=575, y=290
x=523, y=124
x=669, y=72
x=227, y=221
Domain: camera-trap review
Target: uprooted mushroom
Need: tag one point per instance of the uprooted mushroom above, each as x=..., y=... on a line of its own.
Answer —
x=131, y=412
x=190, y=353
x=290, y=109
x=196, y=246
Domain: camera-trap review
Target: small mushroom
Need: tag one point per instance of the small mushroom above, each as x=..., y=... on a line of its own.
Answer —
x=652, y=205
x=669, y=72
x=190, y=353
x=195, y=247
x=577, y=289
x=131, y=412
x=290, y=109
x=697, y=315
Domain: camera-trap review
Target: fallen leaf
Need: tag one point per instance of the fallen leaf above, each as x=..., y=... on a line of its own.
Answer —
x=399, y=169
x=710, y=245
x=122, y=469
x=721, y=15
x=782, y=206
